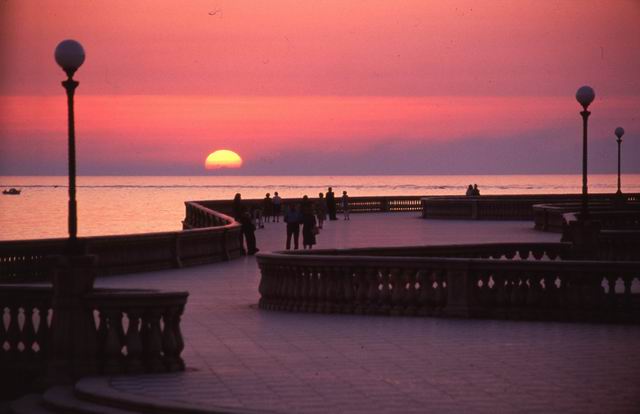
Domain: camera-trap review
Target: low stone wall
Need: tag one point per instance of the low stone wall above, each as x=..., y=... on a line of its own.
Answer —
x=503, y=207
x=210, y=236
x=518, y=281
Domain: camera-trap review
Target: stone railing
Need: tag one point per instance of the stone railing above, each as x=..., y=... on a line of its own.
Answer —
x=502, y=207
x=364, y=204
x=358, y=281
x=553, y=217
x=131, y=331
x=210, y=236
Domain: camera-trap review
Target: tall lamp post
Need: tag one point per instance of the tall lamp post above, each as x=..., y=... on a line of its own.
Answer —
x=585, y=95
x=72, y=334
x=619, y=133
x=69, y=55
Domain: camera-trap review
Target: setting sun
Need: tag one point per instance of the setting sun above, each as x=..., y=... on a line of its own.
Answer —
x=223, y=159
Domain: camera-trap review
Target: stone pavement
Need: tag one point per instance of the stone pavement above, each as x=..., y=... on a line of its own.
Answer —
x=241, y=357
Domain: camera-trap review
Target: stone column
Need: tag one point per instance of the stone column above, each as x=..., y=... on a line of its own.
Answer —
x=73, y=345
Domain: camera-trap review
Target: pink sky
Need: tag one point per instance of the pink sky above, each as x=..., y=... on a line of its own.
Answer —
x=486, y=86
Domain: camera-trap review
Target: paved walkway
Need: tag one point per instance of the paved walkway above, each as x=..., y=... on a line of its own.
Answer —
x=239, y=356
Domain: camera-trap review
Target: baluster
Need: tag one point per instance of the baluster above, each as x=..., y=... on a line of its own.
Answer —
x=321, y=289
x=112, y=347
x=133, y=342
x=314, y=281
x=152, y=341
x=170, y=346
x=628, y=280
x=348, y=296
x=28, y=336
x=303, y=299
x=411, y=295
x=263, y=287
x=611, y=296
x=362, y=290
x=373, y=294
x=331, y=305
x=398, y=289
x=385, y=293
x=423, y=292
x=13, y=332
x=3, y=330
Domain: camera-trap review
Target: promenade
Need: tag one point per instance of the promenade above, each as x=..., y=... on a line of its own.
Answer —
x=243, y=358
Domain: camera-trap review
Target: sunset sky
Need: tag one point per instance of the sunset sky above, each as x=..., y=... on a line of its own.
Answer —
x=321, y=87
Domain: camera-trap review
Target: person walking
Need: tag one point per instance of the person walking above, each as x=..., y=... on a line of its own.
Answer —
x=309, y=228
x=345, y=205
x=293, y=218
x=321, y=210
x=277, y=207
x=331, y=204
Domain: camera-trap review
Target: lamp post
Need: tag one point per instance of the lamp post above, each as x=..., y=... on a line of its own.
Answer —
x=69, y=55
x=585, y=95
x=619, y=133
x=72, y=334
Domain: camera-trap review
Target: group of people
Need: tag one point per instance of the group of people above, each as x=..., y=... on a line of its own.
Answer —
x=306, y=214
x=472, y=190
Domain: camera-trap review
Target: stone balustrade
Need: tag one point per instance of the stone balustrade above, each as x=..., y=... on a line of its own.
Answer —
x=131, y=331
x=528, y=285
x=504, y=207
x=363, y=204
x=209, y=236
x=554, y=217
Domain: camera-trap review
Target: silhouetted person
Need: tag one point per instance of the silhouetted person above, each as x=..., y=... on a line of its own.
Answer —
x=309, y=229
x=277, y=207
x=267, y=207
x=476, y=192
x=345, y=205
x=236, y=207
x=321, y=210
x=331, y=204
x=469, y=192
x=249, y=232
x=293, y=218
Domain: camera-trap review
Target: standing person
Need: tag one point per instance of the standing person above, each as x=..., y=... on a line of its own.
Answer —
x=267, y=207
x=331, y=204
x=293, y=218
x=309, y=229
x=277, y=207
x=469, y=192
x=321, y=210
x=476, y=192
x=345, y=205
x=249, y=232
x=236, y=206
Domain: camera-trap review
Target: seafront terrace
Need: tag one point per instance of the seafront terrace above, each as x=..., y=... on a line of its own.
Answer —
x=243, y=358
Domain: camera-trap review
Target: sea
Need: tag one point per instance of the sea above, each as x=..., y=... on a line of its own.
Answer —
x=109, y=205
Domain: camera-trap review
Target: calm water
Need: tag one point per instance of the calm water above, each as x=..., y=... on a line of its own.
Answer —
x=121, y=205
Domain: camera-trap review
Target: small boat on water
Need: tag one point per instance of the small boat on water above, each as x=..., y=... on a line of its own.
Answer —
x=11, y=191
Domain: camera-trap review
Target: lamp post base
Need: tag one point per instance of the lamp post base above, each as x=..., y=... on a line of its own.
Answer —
x=72, y=327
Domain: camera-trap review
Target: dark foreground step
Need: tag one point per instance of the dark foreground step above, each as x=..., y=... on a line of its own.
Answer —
x=96, y=396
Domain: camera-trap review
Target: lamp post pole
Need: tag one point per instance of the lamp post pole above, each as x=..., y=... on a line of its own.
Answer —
x=585, y=95
x=619, y=133
x=69, y=55
x=70, y=86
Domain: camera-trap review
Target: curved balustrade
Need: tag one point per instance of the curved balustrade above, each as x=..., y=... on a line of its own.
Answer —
x=134, y=331
x=504, y=207
x=518, y=288
x=209, y=236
